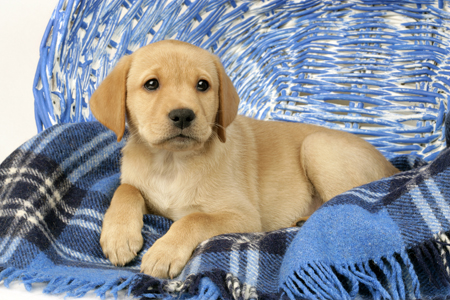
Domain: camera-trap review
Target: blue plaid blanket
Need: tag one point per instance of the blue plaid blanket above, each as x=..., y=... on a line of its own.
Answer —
x=385, y=240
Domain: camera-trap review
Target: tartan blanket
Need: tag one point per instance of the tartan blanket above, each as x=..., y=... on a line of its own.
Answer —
x=385, y=240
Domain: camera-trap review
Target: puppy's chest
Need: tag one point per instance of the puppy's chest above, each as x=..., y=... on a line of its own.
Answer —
x=173, y=194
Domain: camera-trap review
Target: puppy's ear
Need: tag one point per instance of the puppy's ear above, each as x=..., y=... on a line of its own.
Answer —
x=228, y=101
x=108, y=101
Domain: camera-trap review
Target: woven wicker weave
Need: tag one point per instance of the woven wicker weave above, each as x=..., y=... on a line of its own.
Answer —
x=376, y=68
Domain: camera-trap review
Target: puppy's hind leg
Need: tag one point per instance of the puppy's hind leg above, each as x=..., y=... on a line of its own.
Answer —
x=336, y=162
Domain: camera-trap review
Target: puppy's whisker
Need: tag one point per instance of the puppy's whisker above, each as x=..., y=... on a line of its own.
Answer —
x=217, y=125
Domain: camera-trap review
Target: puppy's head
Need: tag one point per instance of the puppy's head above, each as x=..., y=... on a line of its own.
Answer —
x=176, y=96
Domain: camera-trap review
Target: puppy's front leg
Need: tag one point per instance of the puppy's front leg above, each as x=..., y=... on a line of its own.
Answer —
x=168, y=255
x=121, y=236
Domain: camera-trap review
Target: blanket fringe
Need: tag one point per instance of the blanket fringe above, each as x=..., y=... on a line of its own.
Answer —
x=443, y=244
x=378, y=279
x=431, y=261
x=402, y=275
x=195, y=287
x=207, y=290
x=73, y=287
x=9, y=275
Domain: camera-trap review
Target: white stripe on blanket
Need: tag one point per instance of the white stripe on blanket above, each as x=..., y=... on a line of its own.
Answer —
x=426, y=211
x=439, y=198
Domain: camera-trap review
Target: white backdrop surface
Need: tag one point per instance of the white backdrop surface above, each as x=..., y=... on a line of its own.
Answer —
x=22, y=25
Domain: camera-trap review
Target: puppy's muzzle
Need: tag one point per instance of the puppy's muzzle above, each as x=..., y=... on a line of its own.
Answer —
x=182, y=118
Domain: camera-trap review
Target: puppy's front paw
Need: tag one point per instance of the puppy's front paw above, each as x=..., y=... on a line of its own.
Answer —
x=165, y=259
x=121, y=242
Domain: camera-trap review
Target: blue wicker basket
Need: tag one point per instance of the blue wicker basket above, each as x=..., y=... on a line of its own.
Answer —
x=375, y=68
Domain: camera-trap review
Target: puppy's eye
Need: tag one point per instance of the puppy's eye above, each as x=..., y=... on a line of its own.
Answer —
x=202, y=85
x=151, y=85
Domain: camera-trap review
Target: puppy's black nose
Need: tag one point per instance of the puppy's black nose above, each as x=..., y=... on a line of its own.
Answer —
x=182, y=118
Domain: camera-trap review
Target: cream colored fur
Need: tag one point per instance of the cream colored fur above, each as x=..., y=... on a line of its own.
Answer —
x=228, y=174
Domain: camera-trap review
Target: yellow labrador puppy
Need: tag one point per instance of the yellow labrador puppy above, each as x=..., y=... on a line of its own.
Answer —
x=190, y=158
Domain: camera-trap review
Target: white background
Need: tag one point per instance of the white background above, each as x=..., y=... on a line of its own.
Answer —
x=22, y=25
